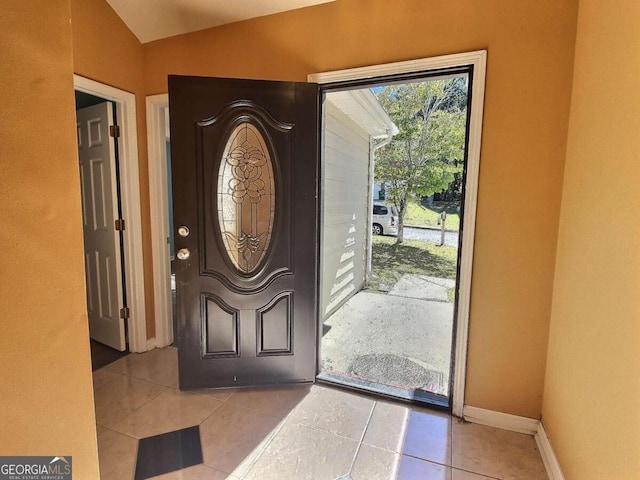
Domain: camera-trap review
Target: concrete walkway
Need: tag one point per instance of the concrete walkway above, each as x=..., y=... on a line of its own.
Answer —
x=401, y=339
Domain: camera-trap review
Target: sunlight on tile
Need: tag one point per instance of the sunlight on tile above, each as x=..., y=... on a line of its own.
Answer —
x=415, y=469
x=387, y=426
x=334, y=411
x=428, y=436
x=496, y=453
x=301, y=432
x=375, y=464
x=302, y=453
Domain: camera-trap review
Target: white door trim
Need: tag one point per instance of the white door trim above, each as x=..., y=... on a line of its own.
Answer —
x=158, y=197
x=130, y=198
x=478, y=59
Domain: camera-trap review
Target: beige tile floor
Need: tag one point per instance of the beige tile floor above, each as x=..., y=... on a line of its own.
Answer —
x=310, y=432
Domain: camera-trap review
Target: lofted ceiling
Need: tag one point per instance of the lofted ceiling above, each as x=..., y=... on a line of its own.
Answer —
x=151, y=20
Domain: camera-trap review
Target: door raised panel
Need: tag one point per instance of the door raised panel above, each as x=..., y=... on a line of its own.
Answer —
x=220, y=332
x=274, y=326
x=94, y=127
x=99, y=207
x=90, y=275
x=106, y=281
x=87, y=213
x=79, y=135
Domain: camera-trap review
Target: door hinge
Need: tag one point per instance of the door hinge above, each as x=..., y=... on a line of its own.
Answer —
x=120, y=224
x=124, y=313
x=114, y=131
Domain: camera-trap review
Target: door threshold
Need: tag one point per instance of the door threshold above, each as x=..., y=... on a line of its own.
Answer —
x=439, y=402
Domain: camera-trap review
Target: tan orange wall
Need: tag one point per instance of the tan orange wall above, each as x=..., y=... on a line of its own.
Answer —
x=46, y=399
x=592, y=389
x=105, y=50
x=530, y=60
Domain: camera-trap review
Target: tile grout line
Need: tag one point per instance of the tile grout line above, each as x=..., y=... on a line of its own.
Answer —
x=461, y=420
x=364, y=432
x=476, y=473
x=135, y=410
x=117, y=375
x=316, y=429
x=165, y=388
x=222, y=404
x=280, y=426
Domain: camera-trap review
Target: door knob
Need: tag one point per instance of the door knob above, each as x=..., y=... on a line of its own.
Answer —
x=183, y=231
x=183, y=254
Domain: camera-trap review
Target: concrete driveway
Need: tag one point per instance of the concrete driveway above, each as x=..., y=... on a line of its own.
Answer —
x=401, y=339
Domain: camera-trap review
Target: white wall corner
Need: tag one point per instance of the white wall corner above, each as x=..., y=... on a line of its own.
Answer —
x=548, y=455
x=504, y=421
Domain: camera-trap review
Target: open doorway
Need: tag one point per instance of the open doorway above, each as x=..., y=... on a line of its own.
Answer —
x=97, y=132
x=394, y=165
x=111, y=209
x=476, y=63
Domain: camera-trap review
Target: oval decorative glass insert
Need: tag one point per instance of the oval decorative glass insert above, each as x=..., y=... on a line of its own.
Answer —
x=246, y=197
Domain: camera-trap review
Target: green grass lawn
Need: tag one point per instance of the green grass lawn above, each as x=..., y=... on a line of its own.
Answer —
x=390, y=261
x=419, y=215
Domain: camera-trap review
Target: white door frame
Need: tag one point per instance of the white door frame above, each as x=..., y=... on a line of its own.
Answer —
x=130, y=198
x=159, y=203
x=156, y=138
x=478, y=59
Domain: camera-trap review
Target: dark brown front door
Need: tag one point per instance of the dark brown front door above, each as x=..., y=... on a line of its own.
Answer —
x=245, y=200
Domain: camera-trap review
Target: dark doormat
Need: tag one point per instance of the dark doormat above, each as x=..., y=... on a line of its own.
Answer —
x=398, y=371
x=168, y=452
x=101, y=355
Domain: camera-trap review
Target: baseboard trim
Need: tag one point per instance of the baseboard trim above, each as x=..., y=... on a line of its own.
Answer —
x=501, y=420
x=548, y=455
x=151, y=343
x=514, y=423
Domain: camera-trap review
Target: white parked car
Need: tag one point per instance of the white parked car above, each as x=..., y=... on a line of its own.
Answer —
x=385, y=219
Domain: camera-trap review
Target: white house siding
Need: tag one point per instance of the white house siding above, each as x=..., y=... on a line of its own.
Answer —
x=345, y=220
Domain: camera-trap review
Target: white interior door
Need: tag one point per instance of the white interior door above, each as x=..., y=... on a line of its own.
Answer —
x=99, y=211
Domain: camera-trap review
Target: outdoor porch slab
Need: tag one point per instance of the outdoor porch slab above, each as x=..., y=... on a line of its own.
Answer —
x=375, y=327
x=419, y=286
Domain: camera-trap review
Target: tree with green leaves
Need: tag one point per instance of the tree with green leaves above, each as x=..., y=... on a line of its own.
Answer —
x=425, y=156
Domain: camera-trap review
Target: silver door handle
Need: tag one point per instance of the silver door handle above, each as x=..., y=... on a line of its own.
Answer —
x=183, y=254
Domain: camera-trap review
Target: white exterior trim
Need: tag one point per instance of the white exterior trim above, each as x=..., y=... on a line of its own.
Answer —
x=130, y=198
x=478, y=60
x=159, y=205
x=504, y=421
x=549, y=458
x=363, y=108
x=397, y=68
